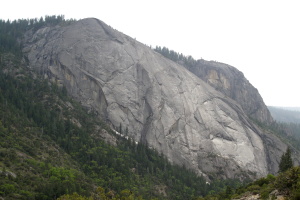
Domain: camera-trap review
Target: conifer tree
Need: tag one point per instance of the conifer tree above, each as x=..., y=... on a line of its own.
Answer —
x=286, y=161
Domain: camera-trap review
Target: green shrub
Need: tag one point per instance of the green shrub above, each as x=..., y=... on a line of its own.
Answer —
x=271, y=178
x=261, y=181
x=295, y=194
x=7, y=189
x=264, y=194
x=288, y=179
x=254, y=189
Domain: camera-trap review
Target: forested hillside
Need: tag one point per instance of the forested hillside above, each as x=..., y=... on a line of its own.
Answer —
x=51, y=146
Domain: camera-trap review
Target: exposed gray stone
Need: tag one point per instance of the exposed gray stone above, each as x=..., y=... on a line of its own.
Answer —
x=159, y=101
x=104, y=135
x=8, y=173
x=233, y=84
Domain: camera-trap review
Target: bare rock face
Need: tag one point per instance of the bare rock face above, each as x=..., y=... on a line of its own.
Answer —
x=157, y=100
x=233, y=84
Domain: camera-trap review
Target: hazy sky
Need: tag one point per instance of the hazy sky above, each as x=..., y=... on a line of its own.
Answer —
x=261, y=38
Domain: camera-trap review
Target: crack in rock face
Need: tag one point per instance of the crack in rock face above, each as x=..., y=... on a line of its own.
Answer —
x=158, y=101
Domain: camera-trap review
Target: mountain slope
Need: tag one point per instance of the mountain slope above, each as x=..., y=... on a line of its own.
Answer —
x=50, y=146
x=156, y=100
x=232, y=83
x=226, y=79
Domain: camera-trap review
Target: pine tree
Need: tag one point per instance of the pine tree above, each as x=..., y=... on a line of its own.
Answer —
x=286, y=161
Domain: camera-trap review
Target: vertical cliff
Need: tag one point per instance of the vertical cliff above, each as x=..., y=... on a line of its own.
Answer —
x=160, y=102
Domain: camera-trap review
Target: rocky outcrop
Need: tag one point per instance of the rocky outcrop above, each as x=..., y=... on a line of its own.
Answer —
x=158, y=101
x=233, y=84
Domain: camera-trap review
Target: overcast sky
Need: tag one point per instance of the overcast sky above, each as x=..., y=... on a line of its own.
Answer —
x=261, y=38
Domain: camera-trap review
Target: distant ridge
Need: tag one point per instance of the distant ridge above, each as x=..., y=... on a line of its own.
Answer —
x=285, y=114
